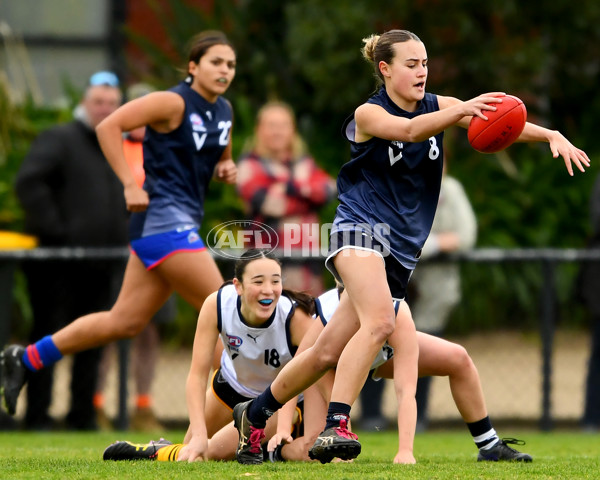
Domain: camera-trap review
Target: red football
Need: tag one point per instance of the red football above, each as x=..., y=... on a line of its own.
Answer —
x=501, y=129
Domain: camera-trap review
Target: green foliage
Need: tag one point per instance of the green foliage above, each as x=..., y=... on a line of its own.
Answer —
x=19, y=125
x=15, y=135
x=307, y=52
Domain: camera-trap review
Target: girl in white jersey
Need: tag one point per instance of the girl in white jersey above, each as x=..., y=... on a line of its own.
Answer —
x=261, y=326
x=388, y=193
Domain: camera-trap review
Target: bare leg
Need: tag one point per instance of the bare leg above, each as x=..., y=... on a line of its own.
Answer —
x=365, y=282
x=311, y=364
x=316, y=398
x=142, y=294
x=405, y=359
x=194, y=275
x=223, y=444
x=441, y=358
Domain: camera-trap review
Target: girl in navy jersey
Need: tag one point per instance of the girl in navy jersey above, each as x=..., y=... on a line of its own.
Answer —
x=388, y=193
x=261, y=325
x=187, y=143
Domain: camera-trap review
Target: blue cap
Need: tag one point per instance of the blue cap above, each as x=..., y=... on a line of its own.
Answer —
x=104, y=78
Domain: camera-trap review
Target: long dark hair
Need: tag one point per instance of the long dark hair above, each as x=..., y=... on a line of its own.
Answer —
x=200, y=43
x=303, y=300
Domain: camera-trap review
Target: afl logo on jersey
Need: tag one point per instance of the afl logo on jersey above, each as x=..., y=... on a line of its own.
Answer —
x=199, y=131
x=197, y=123
x=234, y=342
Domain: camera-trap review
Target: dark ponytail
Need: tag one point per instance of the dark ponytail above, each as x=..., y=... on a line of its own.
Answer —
x=304, y=301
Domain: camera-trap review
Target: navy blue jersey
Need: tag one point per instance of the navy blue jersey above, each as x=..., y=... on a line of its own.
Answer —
x=392, y=186
x=180, y=164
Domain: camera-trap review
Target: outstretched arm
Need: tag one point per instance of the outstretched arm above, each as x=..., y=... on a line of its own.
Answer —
x=204, y=345
x=406, y=354
x=559, y=146
x=373, y=121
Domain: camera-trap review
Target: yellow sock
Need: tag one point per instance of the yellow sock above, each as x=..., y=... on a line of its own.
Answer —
x=169, y=453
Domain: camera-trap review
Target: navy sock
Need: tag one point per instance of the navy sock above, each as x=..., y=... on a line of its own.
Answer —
x=483, y=433
x=41, y=354
x=337, y=411
x=276, y=455
x=262, y=408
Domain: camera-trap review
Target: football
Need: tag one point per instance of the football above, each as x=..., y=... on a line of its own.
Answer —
x=501, y=129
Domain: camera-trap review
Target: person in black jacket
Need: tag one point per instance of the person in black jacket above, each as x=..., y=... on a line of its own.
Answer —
x=71, y=197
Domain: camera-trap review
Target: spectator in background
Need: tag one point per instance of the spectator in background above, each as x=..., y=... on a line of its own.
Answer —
x=281, y=184
x=437, y=285
x=71, y=198
x=145, y=346
x=589, y=288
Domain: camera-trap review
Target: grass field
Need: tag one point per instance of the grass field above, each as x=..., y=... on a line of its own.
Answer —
x=440, y=455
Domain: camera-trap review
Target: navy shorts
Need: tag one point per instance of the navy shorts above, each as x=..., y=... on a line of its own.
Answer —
x=397, y=275
x=154, y=249
x=225, y=392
